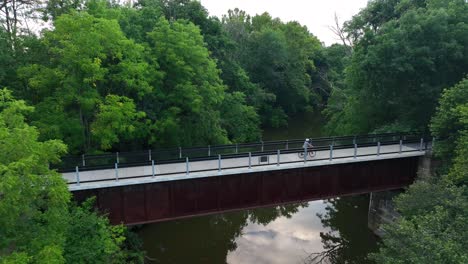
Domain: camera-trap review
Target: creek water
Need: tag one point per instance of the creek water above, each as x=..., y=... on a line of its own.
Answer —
x=325, y=231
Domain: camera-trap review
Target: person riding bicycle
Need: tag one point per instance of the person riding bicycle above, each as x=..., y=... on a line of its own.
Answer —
x=307, y=144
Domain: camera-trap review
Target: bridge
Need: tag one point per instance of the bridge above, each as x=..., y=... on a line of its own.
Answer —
x=157, y=185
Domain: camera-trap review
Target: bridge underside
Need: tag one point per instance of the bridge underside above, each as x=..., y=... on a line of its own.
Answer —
x=159, y=201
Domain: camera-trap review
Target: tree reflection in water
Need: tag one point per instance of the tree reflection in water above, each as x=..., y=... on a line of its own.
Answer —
x=205, y=239
x=265, y=216
x=341, y=225
x=349, y=239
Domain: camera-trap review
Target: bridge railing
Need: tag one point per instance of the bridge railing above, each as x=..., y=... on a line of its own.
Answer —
x=135, y=158
x=325, y=149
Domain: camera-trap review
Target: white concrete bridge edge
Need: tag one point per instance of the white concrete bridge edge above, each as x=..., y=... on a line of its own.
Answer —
x=225, y=172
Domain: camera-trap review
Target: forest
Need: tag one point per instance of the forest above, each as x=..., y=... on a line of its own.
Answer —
x=104, y=75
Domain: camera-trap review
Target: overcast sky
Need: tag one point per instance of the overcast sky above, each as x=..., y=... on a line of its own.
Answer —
x=317, y=15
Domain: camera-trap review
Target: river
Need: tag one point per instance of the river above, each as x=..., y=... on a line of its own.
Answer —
x=332, y=230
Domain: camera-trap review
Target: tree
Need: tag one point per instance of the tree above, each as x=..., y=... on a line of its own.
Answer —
x=117, y=118
x=404, y=55
x=99, y=242
x=6, y=57
x=434, y=212
x=38, y=223
x=34, y=199
x=240, y=120
x=450, y=126
x=91, y=58
x=191, y=89
x=279, y=58
x=432, y=232
x=52, y=9
x=12, y=15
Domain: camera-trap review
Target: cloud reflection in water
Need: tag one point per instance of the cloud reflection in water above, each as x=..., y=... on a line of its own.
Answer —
x=284, y=240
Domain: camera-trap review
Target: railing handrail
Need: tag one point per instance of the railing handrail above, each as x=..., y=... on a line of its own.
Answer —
x=142, y=156
x=247, y=144
x=250, y=155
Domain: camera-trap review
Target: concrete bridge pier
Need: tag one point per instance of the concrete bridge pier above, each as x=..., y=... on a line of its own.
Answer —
x=381, y=206
x=381, y=210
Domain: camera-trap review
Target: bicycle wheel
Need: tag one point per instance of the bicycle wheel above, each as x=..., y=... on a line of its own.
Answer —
x=311, y=154
x=301, y=155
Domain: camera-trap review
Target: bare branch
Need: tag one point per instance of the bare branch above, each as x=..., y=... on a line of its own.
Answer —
x=341, y=34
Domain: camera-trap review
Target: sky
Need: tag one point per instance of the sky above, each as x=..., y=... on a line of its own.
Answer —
x=317, y=15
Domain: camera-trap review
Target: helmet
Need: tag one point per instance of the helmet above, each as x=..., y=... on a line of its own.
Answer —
x=307, y=139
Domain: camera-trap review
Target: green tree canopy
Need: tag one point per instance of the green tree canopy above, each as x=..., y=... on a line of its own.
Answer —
x=404, y=55
x=434, y=212
x=191, y=89
x=38, y=223
x=90, y=58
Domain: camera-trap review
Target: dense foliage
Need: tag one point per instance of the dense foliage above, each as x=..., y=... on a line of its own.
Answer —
x=108, y=76
x=38, y=222
x=160, y=73
x=450, y=126
x=434, y=212
x=405, y=53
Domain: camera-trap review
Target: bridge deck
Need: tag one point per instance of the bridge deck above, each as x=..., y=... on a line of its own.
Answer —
x=94, y=179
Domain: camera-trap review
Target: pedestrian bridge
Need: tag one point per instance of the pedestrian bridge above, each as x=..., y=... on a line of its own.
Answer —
x=139, y=187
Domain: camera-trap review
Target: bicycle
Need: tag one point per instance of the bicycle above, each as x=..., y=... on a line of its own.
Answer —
x=311, y=153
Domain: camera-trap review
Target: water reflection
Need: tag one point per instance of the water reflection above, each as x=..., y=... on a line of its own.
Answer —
x=334, y=231
x=348, y=239
x=283, y=240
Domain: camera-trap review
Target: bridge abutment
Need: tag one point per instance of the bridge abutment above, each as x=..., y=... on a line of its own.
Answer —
x=381, y=205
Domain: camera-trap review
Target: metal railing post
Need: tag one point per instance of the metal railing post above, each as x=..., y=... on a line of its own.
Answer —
x=83, y=159
x=152, y=168
x=262, y=145
x=149, y=154
x=287, y=144
x=354, y=140
x=355, y=150
x=278, y=158
x=209, y=150
x=237, y=148
x=180, y=152
x=250, y=160
x=116, y=172
x=401, y=145
x=77, y=175
x=305, y=154
x=331, y=152
x=421, y=144
x=117, y=157
x=378, y=148
x=187, y=170
x=219, y=163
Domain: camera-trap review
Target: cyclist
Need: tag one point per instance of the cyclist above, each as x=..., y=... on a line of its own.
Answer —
x=307, y=144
